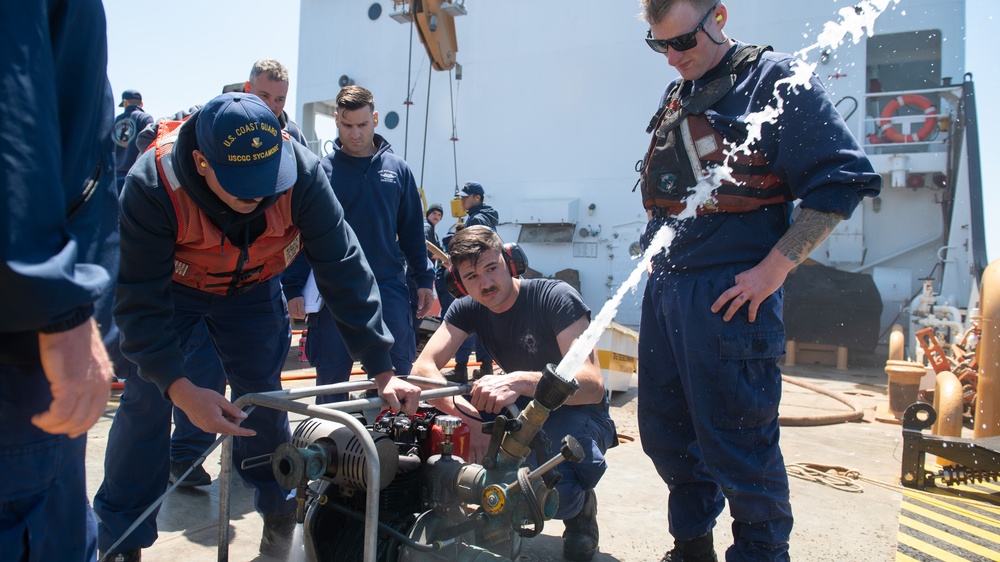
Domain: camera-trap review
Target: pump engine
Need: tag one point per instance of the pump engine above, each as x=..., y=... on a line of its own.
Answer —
x=433, y=505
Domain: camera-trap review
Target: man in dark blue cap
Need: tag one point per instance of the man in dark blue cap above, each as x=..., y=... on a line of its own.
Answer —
x=209, y=217
x=127, y=128
x=476, y=213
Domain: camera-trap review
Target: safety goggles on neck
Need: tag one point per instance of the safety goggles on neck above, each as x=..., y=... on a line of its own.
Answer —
x=683, y=42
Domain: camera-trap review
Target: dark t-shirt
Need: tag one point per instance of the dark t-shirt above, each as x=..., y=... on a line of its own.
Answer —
x=524, y=337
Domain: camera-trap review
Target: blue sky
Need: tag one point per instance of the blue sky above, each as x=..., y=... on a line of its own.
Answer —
x=216, y=42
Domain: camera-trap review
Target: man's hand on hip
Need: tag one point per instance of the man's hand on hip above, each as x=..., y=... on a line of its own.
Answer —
x=753, y=286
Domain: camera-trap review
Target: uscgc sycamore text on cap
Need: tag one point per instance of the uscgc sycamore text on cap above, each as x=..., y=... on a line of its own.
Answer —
x=255, y=143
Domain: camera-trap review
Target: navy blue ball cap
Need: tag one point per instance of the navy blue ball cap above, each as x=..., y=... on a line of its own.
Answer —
x=472, y=188
x=128, y=95
x=241, y=138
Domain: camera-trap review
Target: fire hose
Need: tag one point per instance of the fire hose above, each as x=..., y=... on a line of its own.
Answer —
x=856, y=413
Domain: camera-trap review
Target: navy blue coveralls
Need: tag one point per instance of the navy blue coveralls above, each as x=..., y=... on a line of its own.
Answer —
x=58, y=255
x=250, y=330
x=709, y=390
x=382, y=205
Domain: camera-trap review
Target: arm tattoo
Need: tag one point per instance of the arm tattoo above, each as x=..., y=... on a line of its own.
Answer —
x=806, y=233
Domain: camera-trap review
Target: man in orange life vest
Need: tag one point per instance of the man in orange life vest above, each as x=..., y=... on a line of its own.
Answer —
x=209, y=218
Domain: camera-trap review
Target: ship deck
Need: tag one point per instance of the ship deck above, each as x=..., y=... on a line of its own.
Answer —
x=830, y=523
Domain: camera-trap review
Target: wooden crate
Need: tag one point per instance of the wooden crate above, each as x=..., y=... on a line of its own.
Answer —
x=815, y=353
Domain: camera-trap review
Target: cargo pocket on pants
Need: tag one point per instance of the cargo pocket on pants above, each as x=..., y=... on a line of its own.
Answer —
x=749, y=380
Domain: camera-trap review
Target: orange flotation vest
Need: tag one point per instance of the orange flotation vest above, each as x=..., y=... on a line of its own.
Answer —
x=200, y=261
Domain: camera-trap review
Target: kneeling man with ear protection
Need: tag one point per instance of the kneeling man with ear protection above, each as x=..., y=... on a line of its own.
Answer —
x=525, y=324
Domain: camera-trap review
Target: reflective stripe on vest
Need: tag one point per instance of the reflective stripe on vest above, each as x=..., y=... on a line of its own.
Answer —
x=201, y=259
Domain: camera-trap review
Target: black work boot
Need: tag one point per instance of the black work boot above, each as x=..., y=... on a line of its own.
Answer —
x=198, y=476
x=701, y=549
x=485, y=369
x=581, y=535
x=127, y=556
x=460, y=374
x=276, y=540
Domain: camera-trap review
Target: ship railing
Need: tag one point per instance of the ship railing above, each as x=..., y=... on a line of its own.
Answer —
x=320, y=147
x=945, y=99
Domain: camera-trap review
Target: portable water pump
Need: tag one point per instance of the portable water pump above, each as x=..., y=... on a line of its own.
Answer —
x=433, y=505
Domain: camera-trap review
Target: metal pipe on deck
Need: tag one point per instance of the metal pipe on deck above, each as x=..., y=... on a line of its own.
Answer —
x=948, y=405
x=987, y=414
x=897, y=343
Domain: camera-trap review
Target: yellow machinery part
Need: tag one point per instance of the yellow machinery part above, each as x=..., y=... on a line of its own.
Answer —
x=437, y=32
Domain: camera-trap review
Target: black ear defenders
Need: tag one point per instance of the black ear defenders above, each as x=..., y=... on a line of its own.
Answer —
x=517, y=264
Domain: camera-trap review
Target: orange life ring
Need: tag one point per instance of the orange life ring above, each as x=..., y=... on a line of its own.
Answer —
x=885, y=123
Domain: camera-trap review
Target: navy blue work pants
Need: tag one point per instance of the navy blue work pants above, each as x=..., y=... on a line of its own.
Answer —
x=201, y=363
x=252, y=334
x=328, y=354
x=44, y=511
x=465, y=350
x=596, y=433
x=708, y=411
x=411, y=287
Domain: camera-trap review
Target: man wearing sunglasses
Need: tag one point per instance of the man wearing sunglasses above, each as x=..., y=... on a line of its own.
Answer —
x=711, y=331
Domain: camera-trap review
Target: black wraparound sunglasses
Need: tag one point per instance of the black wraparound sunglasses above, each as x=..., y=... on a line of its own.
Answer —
x=683, y=42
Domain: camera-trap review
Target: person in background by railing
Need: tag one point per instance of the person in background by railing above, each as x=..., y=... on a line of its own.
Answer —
x=432, y=217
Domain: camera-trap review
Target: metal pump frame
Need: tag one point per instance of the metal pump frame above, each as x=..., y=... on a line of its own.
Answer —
x=285, y=400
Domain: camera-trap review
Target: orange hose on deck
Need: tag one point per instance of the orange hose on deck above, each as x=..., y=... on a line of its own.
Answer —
x=309, y=374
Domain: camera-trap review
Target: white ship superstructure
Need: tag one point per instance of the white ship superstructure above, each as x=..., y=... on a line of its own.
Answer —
x=548, y=106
